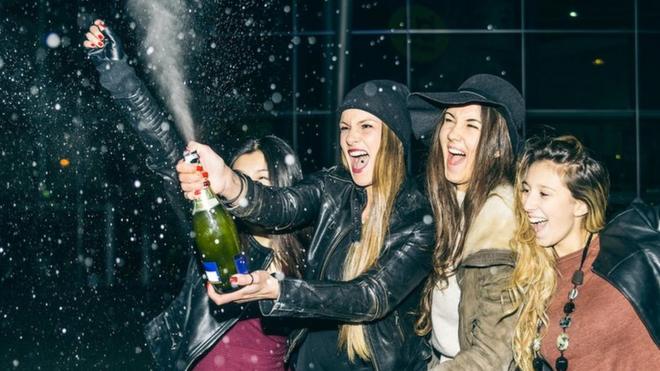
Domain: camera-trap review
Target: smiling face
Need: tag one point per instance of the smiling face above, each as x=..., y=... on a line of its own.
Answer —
x=557, y=217
x=459, y=137
x=360, y=135
x=253, y=165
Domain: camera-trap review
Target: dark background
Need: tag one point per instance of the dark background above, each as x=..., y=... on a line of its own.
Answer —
x=90, y=251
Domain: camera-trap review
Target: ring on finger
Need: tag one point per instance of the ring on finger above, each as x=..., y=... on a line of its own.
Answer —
x=251, y=279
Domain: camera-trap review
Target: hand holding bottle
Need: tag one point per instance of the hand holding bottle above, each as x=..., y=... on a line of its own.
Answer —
x=223, y=180
x=258, y=285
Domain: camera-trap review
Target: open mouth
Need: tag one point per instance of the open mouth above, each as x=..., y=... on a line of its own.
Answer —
x=538, y=223
x=455, y=156
x=359, y=160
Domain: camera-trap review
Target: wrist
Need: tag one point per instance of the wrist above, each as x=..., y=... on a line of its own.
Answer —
x=236, y=189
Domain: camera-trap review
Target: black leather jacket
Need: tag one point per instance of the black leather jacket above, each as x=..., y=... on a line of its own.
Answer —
x=189, y=326
x=385, y=298
x=192, y=324
x=629, y=259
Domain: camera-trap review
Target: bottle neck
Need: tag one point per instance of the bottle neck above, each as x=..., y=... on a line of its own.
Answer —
x=206, y=201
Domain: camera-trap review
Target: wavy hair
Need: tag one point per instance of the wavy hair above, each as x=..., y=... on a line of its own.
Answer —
x=389, y=174
x=535, y=275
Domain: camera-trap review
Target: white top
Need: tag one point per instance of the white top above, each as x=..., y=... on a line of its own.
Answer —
x=444, y=313
x=444, y=319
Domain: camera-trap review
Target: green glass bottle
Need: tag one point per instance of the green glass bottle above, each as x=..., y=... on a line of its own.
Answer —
x=216, y=238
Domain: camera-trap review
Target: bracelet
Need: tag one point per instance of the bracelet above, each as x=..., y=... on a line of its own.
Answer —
x=242, y=181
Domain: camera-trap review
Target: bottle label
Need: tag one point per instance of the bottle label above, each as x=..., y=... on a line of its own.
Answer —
x=241, y=263
x=212, y=272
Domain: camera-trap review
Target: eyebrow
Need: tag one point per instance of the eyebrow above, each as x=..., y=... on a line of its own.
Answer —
x=359, y=122
x=542, y=186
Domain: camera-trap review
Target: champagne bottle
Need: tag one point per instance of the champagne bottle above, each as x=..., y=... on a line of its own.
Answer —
x=216, y=237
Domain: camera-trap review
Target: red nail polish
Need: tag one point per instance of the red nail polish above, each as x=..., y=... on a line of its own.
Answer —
x=100, y=43
x=207, y=183
x=100, y=36
x=197, y=192
x=233, y=279
x=199, y=168
x=205, y=174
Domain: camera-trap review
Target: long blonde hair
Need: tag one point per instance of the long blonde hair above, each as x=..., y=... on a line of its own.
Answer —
x=535, y=275
x=389, y=173
x=453, y=221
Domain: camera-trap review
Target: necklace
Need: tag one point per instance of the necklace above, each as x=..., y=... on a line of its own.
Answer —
x=561, y=364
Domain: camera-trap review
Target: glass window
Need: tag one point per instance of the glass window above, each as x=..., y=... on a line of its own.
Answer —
x=580, y=71
x=649, y=14
x=649, y=133
x=317, y=138
x=443, y=62
x=316, y=16
x=377, y=57
x=448, y=14
x=317, y=71
x=649, y=60
x=382, y=14
x=583, y=14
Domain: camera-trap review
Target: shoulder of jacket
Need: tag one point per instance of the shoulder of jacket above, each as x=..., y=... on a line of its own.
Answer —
x=494, y=225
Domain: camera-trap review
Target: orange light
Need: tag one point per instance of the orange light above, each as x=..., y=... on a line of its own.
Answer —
x=64, y=162
x=598, y=62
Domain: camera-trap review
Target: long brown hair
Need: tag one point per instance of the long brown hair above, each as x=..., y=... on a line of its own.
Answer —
x=389, y=174
x=494, y=165
x=535, y=271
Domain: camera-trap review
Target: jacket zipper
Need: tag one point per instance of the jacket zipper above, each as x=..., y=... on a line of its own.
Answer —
x=213, y=339
x=374, y=362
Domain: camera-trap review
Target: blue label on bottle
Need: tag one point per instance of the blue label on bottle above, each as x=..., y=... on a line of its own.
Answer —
x=212, y=272
x=241, y=263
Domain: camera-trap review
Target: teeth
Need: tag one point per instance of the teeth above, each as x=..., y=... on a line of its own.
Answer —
x=456, y=152
x=357, y=153
x=537, y=220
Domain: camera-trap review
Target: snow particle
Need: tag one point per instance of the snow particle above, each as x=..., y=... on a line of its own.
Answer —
x=137, y=184
x=53, y=40
x=289, y=159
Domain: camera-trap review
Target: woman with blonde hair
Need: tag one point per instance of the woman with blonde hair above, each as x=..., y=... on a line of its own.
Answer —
x=592, y=295
x=371, y=247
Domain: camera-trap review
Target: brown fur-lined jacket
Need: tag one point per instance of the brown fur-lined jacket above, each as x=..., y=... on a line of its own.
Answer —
x=486, y=318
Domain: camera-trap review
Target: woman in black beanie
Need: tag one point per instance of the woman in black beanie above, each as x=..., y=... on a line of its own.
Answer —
x=372, y=243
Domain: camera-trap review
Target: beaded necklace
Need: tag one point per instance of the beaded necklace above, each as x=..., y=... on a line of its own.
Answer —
x=561, y=364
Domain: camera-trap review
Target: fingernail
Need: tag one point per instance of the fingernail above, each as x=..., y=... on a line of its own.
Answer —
x=100, y=36
x=205, y=174
x=233, y=279
x=199, y=168
x=207, y=183
x=197, y=192
x=100, y=43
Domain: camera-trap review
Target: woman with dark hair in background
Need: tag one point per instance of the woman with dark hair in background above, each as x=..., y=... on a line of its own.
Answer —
x=371, y=247
x=192, y=333
x=596, y=294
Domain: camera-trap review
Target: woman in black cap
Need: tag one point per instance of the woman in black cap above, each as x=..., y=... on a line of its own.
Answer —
x=372, y=243
x=468, y=306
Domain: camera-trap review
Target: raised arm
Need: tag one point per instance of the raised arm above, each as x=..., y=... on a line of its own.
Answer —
x=131, y=95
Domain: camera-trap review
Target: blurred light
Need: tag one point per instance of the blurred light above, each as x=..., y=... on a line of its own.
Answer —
x=598, y=62
x=573, y=14
x=617, y=156
x=64, y=162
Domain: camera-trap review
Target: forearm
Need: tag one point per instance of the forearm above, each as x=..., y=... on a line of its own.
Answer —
x=144, y=115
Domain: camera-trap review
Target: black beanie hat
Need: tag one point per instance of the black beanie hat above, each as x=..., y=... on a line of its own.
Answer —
x=386, y=100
